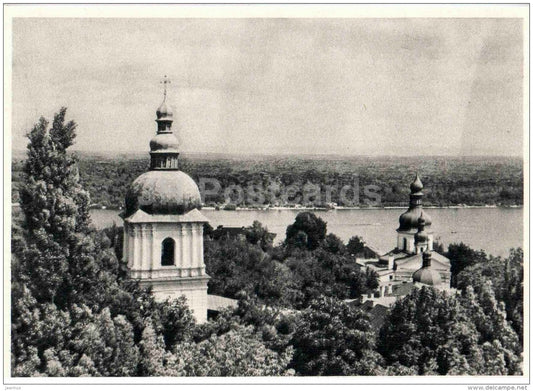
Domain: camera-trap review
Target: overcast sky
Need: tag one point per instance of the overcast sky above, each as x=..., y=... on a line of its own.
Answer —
x=335, y=86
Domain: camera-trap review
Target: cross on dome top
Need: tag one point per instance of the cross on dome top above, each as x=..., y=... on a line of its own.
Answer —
x=165, y=81
x=164, y=112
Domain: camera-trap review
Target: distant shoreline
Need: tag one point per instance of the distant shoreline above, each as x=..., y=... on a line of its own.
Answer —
x=318, y=209
x=21, y=153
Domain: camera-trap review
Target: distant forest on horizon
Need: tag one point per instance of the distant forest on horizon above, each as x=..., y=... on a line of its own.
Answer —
x=448, y=181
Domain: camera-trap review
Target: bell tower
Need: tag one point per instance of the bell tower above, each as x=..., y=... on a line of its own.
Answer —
x=163, y=226
x=410, y=221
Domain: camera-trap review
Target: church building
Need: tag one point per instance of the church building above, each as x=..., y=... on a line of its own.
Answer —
x=163, y=226
x=413, y=258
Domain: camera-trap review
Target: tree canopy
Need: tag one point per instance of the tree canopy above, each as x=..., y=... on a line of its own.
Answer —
x=435, y=333
x=74, y=312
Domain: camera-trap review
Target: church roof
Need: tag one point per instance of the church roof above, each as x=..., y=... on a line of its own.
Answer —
x=164, y=112
x=164, y=143
x=406, y=259
x=417, y=185
x=164, y=189
x=378, y=314
x=376, y=251
x=163, y=192
x=427, y=276
x=400, y=290
x=409, y=219
x=193, y=216
x=415, y=260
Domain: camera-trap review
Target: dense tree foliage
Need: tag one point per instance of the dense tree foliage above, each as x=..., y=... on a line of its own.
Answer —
x=229, y=355
x=334, y=339
x=476, y=269
x=435, y=333
x=506, y=278
x=462, y=256
x=259, y=235
x=55, y=210
x=422, y=329
x=356, y=246
x=74, y=312
x=290, y=275
x=447, y=180
x=307, y=231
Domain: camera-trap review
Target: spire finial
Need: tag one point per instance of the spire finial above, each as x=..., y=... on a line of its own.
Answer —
x=417, y=185
x=165, y=81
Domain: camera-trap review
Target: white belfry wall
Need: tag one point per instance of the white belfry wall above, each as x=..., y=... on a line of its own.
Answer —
x=143, y=249
x=410, y=238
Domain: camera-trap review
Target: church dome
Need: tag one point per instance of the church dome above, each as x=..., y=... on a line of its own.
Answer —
x=163, y=192
x=416, y=186
x=164, y=111
x=163, y=142
x=427, y=276
x=409, y=219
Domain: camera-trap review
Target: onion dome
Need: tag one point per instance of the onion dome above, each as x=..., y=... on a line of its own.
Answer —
x=416, y=186
x=421, y=236
x=164, y=142
x=426, y=275
x=426, y=218
x=164, y=189
x=409, y=219
x=163, y=192
x=164, y=111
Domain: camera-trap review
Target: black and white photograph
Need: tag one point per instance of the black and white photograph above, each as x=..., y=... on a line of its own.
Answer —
x=285, y=193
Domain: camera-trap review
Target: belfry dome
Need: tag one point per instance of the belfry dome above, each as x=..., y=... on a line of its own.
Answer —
x=164, y=189
x=163, y=192
x=409, y=219
x=164, y=111
x=164, y=142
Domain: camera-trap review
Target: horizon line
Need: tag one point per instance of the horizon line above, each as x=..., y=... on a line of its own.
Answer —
x=304, y=154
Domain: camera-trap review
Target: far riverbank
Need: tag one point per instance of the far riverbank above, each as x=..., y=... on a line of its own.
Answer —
x=303, y=208
x=495, y=230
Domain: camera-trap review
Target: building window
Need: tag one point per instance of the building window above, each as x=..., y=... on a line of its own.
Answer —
x=405, y=243
x=167, y=252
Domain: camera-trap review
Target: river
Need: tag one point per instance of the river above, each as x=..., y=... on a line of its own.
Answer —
x=495, y=230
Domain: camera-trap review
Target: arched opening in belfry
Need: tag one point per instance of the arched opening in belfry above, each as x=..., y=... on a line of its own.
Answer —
x=405, y=243
x=167, y=252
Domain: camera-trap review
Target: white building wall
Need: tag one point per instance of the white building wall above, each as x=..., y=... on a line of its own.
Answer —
x=136, y=245
x=143, y=244
x=181, y=234
x=144, y=258
x=195, y=264
x=201, y=248
x=410, y=237
x=125, y=245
